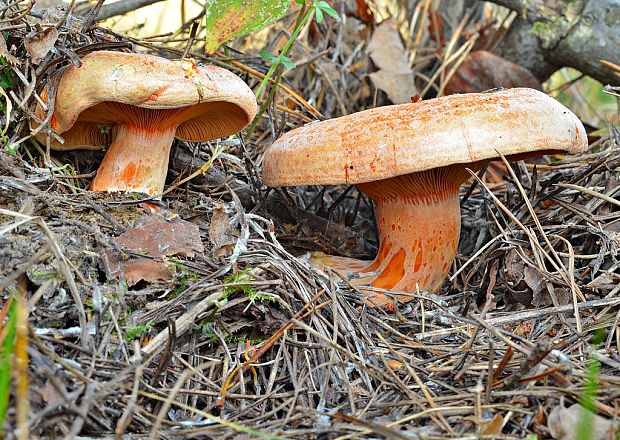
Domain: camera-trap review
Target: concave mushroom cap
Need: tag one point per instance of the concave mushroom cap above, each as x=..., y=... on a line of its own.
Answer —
x=395, y=140
x=84, y=96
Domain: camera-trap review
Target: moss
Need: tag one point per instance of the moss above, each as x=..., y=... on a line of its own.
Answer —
x=183, y=278
x=133, y=332
x=46, y=276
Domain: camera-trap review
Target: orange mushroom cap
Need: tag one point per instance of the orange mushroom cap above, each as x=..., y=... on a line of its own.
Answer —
x=399, y=139
x=142, y=102
x=411, y=159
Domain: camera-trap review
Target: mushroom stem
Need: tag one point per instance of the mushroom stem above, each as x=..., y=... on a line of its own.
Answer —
x=419, y=222
x=137, y=160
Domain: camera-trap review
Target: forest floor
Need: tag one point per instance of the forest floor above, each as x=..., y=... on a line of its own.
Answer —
x=232, y=334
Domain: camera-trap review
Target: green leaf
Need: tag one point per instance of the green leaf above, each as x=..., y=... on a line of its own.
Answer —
x=287, y=63
x=332, y=13
x=318, y=15
x=323, y=6
x=228, y=19
x=268, y=56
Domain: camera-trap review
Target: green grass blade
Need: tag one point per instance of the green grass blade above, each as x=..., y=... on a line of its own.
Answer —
x=8, y=346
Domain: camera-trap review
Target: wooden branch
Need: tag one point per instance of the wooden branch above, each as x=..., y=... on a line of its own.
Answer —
x=578, y=34
x=120, y=8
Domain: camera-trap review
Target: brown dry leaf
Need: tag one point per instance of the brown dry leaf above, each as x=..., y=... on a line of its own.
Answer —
x=53, y=391
x=565, y=424
x=155, y=237
x=482, y=70
x=364, y=12
x=540, y=418
x=613, y=226
x=395, y=364
x=543, y=298
x=220, y=234
x=491, y=302
x=38, y=44
x=493, y=426
x=534, y=281
x=519, y=274
x=144, y=269
x=605, y=281
x=513, y=267
x=387, y=51
x=435, y=28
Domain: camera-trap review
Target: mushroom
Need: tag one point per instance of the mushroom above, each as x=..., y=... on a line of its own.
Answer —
x=411, y=159
x=138, y=104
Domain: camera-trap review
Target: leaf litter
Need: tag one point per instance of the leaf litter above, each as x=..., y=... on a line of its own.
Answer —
x=244, y=338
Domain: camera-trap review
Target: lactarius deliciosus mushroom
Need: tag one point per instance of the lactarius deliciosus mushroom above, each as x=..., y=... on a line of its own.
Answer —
x=411, y=159
x=138, y=104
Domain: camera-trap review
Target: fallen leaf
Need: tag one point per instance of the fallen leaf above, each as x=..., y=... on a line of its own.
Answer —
x=513, y=267
x=38, y=44
x=534, y=281
x=227, y=19
x=540, y=418
x=493, y=426
x=394, y=76
x=8, y=56
x=395, y=364
x=566, y=424
x=513, y=276
x=54, y=390
x=527, y=284
x=491, y=302
x=605, y=281
x=155, y=237
x=143, y=269
x=482, y=70
x=267, y=318
x=543, y=298
x=220, y=234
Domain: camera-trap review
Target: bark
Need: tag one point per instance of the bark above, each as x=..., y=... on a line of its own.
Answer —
x=120, y=8
x=576, y=33
x=521, y=47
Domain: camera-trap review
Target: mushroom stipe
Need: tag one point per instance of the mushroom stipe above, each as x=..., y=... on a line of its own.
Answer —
x=411, y=159
x=418, y=218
